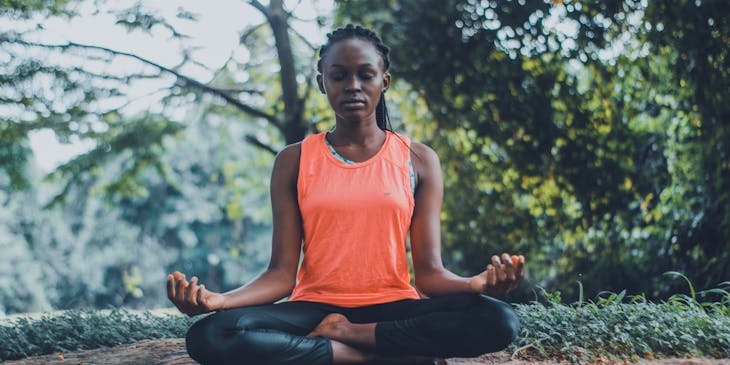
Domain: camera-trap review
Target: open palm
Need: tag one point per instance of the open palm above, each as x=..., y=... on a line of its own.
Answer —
x=191, y=298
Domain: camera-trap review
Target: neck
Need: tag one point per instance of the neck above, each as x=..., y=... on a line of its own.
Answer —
x=357, y=133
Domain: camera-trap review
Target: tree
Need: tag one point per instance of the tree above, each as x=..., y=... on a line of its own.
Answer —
x=36, y=80
x=553, y=143
x=696, y=37
x=161, y=190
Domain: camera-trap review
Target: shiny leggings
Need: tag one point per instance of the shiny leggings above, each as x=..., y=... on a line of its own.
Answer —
x=459, y=325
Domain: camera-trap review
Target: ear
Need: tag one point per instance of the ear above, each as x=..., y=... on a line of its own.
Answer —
x=320, y=83
x=386, y=81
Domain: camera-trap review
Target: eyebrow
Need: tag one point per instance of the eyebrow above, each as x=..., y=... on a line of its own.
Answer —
x=360, y=65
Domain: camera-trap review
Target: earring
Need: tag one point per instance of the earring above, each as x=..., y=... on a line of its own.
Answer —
x=384, y=91
x=322, y=91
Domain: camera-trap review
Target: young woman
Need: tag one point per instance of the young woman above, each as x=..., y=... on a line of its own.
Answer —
x=348, y=198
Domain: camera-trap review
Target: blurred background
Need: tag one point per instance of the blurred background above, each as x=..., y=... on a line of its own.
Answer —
x=137, y=138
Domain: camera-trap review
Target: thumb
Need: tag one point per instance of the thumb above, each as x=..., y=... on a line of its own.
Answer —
x=201, y=295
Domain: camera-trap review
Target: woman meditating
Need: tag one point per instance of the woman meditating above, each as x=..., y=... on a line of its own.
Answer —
x=347, y=199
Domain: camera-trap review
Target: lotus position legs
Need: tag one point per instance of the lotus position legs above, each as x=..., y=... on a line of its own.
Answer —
x=459, y=325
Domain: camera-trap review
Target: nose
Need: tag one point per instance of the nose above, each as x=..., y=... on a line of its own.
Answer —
x=353, y=83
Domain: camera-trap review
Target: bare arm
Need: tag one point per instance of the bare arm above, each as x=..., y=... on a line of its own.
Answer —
x=278, y=280
x=431, y=277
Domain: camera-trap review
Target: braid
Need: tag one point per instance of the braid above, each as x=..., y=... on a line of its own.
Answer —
x=357, y=31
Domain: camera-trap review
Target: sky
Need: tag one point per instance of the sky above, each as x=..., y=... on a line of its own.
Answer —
x=216, y=33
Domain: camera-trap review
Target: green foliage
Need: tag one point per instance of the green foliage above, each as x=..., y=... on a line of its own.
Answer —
x=611, y=329
x=176, y=187
x=80, y=330
x=697, y=35
x=24, y=8
x=139, y=140
x=600, y=152
x=201, y=208
x=616, y=327
x=13, y=154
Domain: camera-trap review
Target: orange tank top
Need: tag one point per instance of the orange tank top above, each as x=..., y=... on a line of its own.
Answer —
x=356, y=218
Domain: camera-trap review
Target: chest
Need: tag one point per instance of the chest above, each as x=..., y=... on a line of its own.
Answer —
x=374, y=189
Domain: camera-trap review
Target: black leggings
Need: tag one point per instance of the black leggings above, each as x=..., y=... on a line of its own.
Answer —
x=459, y=325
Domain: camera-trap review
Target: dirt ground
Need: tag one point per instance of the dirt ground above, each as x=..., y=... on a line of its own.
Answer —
x=172, y=352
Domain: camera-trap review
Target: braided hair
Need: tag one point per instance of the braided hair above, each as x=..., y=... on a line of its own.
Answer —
x=356, y=31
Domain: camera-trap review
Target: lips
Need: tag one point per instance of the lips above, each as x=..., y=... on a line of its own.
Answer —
x=353, y=102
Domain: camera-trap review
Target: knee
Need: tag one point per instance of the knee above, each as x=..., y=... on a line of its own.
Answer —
x=508, y=324
x=221, y=338
x=201, y=340
x=500, y=324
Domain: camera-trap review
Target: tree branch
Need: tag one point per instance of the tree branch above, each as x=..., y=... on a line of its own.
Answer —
x=242, y=90
x=250, y=138
x=263, y=9
x=299, y=2
x=301, y=37
x=250, y=31
x=185, y=79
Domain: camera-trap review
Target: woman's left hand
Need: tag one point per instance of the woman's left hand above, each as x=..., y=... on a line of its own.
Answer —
x=500, y=277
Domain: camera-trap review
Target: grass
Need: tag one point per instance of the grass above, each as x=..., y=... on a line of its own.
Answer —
x=617, y=328
x=78, y=330
x=614, y=328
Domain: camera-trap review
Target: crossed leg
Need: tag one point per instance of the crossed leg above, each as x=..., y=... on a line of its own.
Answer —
x=353, y=343
x=403, y=332
x=417, y=331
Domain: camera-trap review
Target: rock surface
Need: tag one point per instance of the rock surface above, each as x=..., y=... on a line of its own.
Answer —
x=172, y=352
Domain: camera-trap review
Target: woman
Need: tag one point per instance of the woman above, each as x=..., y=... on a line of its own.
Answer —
x=348, y=198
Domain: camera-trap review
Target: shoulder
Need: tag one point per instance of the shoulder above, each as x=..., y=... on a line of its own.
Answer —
x=423, y=155
x=286, y=164
x=290, y=153
x=426, y=164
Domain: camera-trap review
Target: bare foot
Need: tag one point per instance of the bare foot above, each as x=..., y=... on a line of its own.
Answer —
x=330, y=326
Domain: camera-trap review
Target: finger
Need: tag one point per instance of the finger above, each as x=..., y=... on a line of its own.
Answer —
x=201, y=297
x=491, y=276
x=182, y=285
x=515, y=260
x=518, y=272
x=510, y=275
x=506, y=259
x=496, y=287
x=520, y=266
x=509, y=269
x=170, y=288
x=191, y=297
x=513, y=285
x=173, y=293
x=498, y=267
x=499, y=273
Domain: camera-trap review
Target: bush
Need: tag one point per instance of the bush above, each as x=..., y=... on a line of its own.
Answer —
x=77, y=330
x=613, y=329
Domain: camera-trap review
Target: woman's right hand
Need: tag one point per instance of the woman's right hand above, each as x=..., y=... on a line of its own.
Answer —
x=191, y=298
x=500, y=277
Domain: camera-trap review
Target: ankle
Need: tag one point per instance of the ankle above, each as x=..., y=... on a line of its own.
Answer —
x=339, y=331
